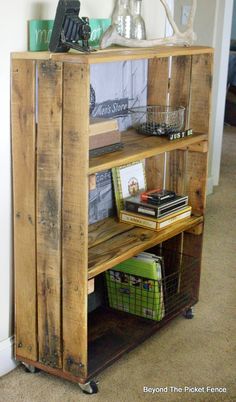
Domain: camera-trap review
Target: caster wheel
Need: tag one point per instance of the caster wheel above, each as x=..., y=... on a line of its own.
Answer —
x=89, y=388
x=30, y=369
x=189, y=314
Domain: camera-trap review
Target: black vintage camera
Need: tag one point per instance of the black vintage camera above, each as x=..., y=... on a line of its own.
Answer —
x=69, y=31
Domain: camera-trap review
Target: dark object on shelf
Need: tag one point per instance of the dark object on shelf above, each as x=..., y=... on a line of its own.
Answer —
x=157, y=196
x=158, y=120
x=134, y=204
x=106, y=150
x=70, y=31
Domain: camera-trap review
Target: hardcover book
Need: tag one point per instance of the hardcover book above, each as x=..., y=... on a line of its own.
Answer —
x=101, y=126
x=103, y=140
x=101, y=200
x=154, y=224
x=128, y=180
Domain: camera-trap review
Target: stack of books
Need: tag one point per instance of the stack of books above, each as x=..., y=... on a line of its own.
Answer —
x=154, y=209
x=153, y=215
x=104, y=136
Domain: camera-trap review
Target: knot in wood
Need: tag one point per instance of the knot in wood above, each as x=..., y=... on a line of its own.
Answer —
x=143, y=237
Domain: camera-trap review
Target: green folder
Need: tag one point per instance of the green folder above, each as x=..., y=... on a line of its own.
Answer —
x=135, y=286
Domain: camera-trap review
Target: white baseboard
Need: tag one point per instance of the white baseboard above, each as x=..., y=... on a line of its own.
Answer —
x=7, y=362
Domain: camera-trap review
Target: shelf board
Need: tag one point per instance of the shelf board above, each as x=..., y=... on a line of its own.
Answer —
x=114, y=54
x=137, y=147
x=108, y=247
x=112, y=333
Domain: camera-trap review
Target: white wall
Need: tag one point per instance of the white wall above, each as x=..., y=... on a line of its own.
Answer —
x=212, y=26
x=13, y=31
x=204, y=20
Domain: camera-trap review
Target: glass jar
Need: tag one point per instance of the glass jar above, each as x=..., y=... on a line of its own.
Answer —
x=122, y=17
x=138, y=24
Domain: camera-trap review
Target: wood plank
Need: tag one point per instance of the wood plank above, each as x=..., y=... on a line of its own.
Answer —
x=158, y=85
x=196, y=181
x=49, y=143
x=115, y=54
x=197, y=230
x=180, y=83
x=128, y=244
x=192, y=245
x=75, y=217
x=53, y=371
x=23, y=157
x=200, y=101
x=155, y=172
x=143, y=147
x=105, y=230
x=176, y=171
x=179, y=95
x=199, y=147
x=158, y=81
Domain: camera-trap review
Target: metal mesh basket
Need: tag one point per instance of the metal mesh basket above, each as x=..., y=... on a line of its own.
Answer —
x=158, y=120
x=152, y=298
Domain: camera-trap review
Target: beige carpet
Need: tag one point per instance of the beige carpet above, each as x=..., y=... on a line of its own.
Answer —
x=199, y=352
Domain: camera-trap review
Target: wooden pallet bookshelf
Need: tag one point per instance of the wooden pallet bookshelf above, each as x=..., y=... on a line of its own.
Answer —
x=55, y=250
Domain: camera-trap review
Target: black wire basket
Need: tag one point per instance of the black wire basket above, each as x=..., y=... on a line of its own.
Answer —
x=158, y=120
x=155, y=299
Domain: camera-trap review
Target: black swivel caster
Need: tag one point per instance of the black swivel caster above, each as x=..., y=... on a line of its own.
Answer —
x=29, y=368
x=89, y=388
x=189, y=314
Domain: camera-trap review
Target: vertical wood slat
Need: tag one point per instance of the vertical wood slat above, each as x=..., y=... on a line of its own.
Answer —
x=75, y=218
x=196, y=181
x=192, y=245
x=200, y=99
x=23, y=155
x=49, y=143
x=158, y=82
x=200, y=107
x=179, y=94
x=180, y=83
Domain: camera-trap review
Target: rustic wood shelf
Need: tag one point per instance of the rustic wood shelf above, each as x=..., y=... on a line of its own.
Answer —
x=127, y=242
x=55, y=250
x=115, y=54
x=137, y=147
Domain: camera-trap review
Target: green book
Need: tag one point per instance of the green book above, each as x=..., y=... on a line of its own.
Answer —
x=135, y=286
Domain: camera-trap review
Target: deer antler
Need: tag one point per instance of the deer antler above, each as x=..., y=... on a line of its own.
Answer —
x=186, y=38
